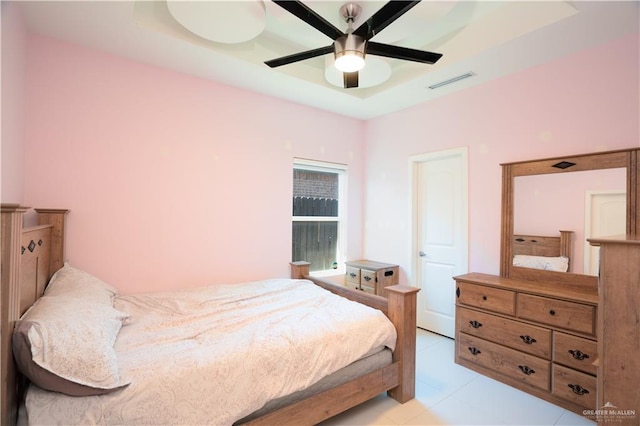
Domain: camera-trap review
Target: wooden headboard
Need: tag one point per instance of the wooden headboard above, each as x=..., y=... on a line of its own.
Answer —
x=537, y=245
x=30, y=256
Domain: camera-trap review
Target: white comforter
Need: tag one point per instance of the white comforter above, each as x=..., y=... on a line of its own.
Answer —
x=214, y=355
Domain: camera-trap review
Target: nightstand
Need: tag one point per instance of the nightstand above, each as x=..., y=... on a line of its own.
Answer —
x=370, y=276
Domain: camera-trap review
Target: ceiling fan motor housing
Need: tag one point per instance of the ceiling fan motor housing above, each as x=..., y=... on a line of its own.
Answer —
x=349, y=44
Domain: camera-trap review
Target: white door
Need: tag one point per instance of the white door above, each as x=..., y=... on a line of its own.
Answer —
x=606, y=214
x=440, y=235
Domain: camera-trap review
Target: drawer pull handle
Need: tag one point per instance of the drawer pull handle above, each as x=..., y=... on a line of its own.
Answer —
x=528, y=339
x=578, y=355
x=474, y=351
x=577, y=389
x=484, y=297
x=475, y=324
x=366, y=278
x=552, y=312
x=458, y=292
x=526, y=370
x=352, y=275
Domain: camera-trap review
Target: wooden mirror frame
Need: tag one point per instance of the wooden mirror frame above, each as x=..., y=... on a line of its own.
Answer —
x=627, y=159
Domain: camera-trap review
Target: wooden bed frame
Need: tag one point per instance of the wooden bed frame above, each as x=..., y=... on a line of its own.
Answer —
x=31, y=255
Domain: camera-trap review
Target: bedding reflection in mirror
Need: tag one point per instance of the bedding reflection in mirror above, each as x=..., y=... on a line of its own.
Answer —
x=589, y=203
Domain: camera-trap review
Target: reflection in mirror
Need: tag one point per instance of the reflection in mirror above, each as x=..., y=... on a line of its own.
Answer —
x=589, y=203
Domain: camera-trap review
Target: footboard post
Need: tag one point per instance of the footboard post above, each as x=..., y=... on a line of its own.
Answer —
x=299, y=269
x=402, y=313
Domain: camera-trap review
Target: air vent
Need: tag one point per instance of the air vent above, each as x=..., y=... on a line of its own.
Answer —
x=452, y=80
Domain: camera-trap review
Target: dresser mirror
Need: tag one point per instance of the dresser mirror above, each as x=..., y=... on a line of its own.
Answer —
x=544, y=197
x=590, y=203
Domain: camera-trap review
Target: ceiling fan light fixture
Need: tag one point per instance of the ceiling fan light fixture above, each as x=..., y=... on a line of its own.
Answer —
x=349, y=62
x=349, y=53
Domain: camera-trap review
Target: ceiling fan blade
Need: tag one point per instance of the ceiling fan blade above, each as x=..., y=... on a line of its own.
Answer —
x=303, y=12
x=383, y=17
x=308, y=54
x=350, y=79
x=405, y=53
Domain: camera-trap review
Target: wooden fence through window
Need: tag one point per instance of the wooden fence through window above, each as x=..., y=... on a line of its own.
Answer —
x=315, y=241
x=308, y=206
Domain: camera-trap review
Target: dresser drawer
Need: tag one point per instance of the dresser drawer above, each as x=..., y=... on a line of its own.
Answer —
x=368, y=280
x=352, y=276
x=559, y=313
x=492, y=299
x=515, y=334
x=366, y=289
x=526, y=368
x=574, y=386
x=575, y=352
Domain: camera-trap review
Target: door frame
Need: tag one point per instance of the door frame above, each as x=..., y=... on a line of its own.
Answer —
x=588, y=249
x=414, y=161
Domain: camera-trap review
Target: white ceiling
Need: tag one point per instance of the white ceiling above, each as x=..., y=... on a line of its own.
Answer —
x=489, y=39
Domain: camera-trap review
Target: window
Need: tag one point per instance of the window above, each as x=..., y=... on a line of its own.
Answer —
x=318, y=215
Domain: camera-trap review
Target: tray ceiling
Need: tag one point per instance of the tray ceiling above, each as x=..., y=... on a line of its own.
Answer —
x=228, y=42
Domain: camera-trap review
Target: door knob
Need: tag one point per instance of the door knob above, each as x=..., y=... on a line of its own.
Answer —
x=422, y=254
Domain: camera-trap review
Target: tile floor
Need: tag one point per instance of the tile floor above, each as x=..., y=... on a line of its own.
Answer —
x=449, y=394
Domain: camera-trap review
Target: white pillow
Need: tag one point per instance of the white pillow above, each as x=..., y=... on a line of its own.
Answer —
x=558, y=264
x=73, y=282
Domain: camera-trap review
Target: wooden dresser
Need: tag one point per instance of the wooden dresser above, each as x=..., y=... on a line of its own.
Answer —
x=370, y=276
x=536, y=336
x=559, y=334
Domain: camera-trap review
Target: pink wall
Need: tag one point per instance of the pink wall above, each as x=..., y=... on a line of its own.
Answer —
x=14, y=51
x=172, y=181
x=157, y=167
x=568, y=106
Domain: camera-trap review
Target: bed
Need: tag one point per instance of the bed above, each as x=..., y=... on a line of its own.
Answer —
x=384, y=363
x=543, y=252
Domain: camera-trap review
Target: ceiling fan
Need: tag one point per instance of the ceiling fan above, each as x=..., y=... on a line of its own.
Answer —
x=351, y=47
